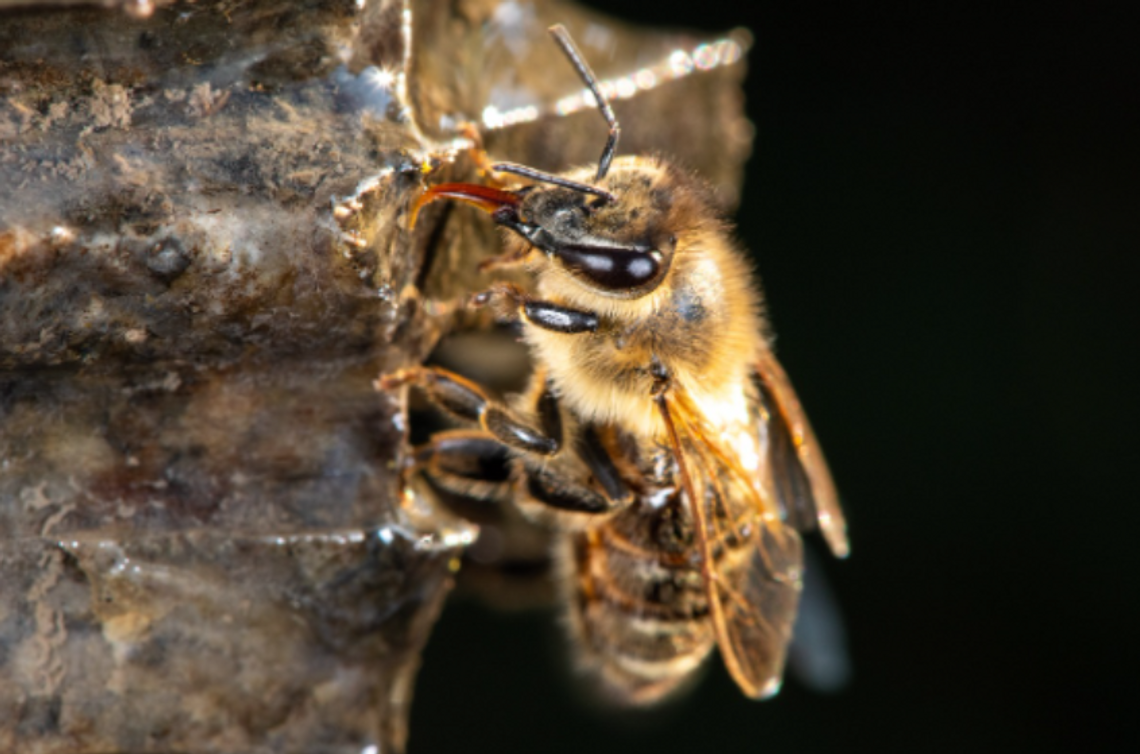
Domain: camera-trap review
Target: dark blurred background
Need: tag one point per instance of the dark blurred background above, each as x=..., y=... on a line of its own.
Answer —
x=943, y=206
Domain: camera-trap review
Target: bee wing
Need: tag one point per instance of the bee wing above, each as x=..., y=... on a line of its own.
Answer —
x=753, y=615
x=800, y=477
x=756, y=617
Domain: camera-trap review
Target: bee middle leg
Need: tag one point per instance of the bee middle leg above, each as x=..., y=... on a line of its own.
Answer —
x=587, y=482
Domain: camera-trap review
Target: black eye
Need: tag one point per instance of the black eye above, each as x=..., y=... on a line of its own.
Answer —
x=613, y=269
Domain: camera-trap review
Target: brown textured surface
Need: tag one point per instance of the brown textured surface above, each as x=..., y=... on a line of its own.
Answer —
x=203, y=264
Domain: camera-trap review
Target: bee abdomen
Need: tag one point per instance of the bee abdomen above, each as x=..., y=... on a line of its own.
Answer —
x=641, y=612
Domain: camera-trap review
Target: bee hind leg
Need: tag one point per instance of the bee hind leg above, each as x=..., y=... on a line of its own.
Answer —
x=466, y=463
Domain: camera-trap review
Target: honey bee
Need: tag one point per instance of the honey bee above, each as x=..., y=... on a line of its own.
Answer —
x=659, y=434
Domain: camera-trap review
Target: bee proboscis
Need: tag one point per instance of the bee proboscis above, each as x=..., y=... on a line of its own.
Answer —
x=658, y=434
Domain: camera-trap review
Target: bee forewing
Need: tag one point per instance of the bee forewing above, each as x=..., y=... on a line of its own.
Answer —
x=753, y=610
x=754, y=624
x=796, y=458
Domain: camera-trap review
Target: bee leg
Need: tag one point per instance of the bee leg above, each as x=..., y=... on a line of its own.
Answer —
x=466, y=463
x=559, y=492
x=478, y=153
x=505, y=260
x=597, y=459
x=568, y=494
x=464, y=399
x=510, y=300
x=565, y=494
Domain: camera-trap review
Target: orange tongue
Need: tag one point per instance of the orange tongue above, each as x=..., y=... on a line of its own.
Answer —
x=484, y=197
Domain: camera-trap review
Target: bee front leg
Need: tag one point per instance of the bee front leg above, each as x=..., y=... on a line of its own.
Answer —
x=465, y=400
x=510, y=301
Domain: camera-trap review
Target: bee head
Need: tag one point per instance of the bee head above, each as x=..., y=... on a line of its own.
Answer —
x=617, y=245
x=615, y=235
x=616, y=242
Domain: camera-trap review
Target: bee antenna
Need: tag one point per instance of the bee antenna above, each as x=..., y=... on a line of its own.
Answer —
x=538, y=175
x=562, y=37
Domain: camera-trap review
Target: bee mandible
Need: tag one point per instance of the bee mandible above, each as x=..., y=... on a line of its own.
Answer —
x=658, y=435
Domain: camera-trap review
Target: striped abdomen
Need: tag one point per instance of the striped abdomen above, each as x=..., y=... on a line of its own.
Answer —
x=639, y=603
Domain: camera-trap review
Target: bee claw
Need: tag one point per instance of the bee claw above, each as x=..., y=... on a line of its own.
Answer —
x=507, y=291
x=393, y=380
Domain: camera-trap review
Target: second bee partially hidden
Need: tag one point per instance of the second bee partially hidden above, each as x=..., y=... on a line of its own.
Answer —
x=659, y=435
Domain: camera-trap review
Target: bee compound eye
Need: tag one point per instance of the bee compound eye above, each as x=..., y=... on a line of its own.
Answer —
x=612, y=269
